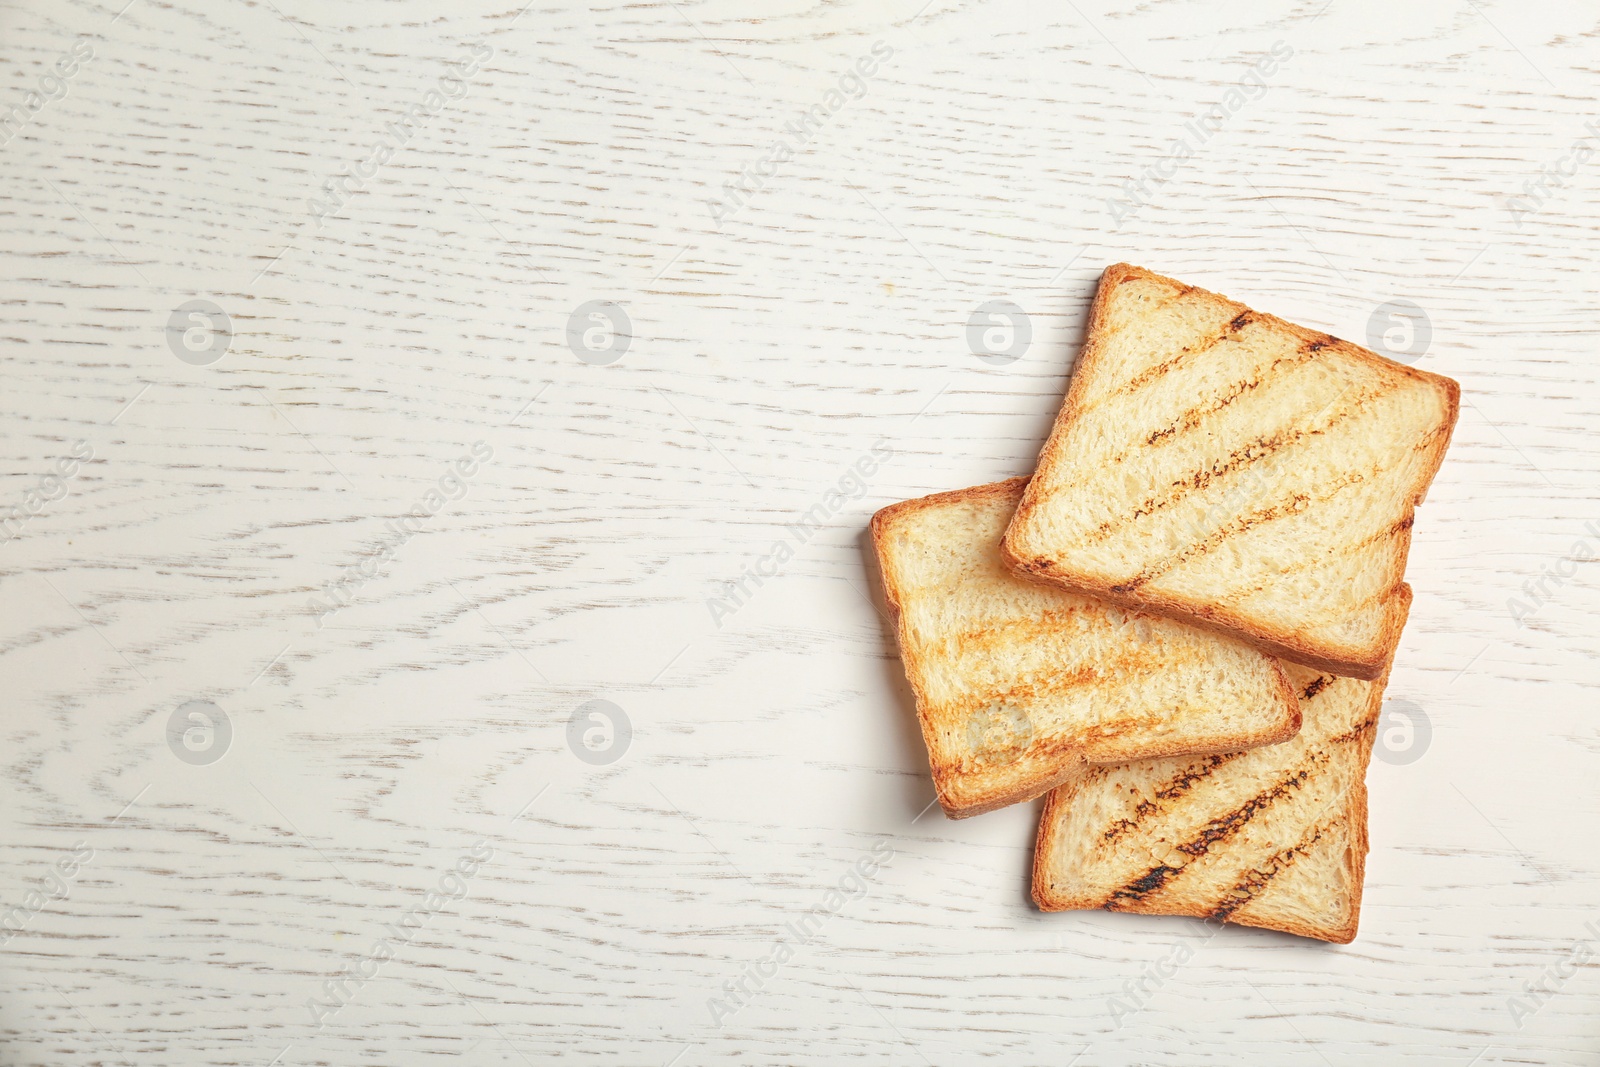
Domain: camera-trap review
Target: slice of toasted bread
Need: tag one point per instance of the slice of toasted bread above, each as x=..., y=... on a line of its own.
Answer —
x=1018, y=684
x=1235, y=471
x=1275, y=837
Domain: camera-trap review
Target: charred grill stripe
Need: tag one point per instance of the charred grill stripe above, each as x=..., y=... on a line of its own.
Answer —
x=1193, y=417
x=1005, y=629
x=1172, y=790
x=1143, y=810
x=1293, y=506
x=1132, y=656
x=1353, y=734
x=1185, y=781
x=1219, y=829
x=1317, y=685
x=1022, y=695
x=1250, y=454
x=1358, y=548
x=1311, y=562
x=1189, y=419
x=1196, y=415
x=1230, y=824
x=1394, y=529
x=1183, y=291
x=1149, y=882
x=1258, y=449
x=1245, y=890
x=1160, y=370
x=1029, y=693
x=1188, y=352
x=1425, y=442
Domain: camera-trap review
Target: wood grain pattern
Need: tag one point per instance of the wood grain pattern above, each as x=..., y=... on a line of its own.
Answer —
x=769, y=350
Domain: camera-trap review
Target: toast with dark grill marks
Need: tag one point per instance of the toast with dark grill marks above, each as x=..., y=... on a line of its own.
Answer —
x=1234, y=471
x=1275, y=837
x=1019, y=684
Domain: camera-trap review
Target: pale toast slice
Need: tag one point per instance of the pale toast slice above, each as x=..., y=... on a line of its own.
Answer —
x=1275, y=837
x=1234, y=471
x=1019, y=684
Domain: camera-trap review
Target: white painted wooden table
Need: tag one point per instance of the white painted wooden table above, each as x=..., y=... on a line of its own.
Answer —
x=391, y=852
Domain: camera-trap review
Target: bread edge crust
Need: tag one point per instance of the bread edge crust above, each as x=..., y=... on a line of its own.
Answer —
x=1366, y=664
x=1073, y=768
x=1355, y=856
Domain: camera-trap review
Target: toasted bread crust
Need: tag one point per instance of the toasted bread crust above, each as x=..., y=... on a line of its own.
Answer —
x=1355, y=859
x=1366, y=664
x=1073, y=760
x=893, y=596
x=1225, y=623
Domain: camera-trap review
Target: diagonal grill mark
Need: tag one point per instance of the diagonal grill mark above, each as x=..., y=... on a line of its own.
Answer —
x=1425, y=442
x=1028, y=693
x=1184, y=781
x=1245, y=890
x=1126, y=664
x=1256, y=450
x=1310, y=562
x=1148, y=882
x=1354, y=733
x=1396, y=528
x=1183, y=291
x=1049, y=618
x=1219, y=829
x=1025, y=692
x=1387, y=533
x=1317, y=685
x=1250, y=454
x=1293, y=506
x=1254, y=881
x=1043, y=749
x=1188, y=420
x=1140, y=380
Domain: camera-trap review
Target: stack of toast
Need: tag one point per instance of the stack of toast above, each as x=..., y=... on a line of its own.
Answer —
x=1180, y=626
